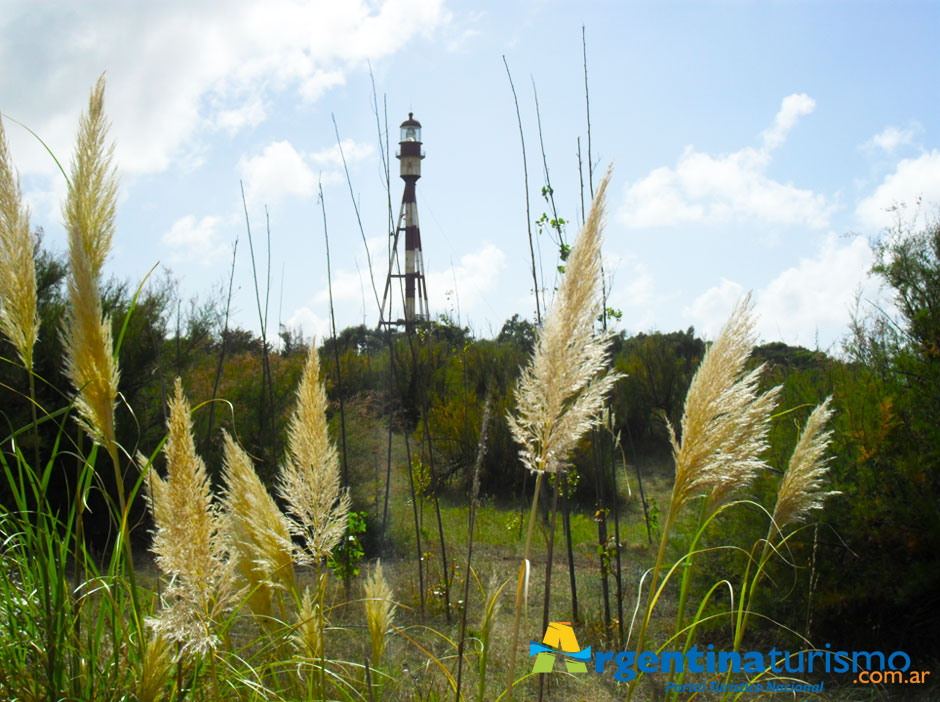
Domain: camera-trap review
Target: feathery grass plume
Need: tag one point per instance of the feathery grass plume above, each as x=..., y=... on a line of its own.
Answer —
x=18, y=318
x=155, y=665
x=801, y=488
x=559, y=394
x=258, y=531
x=154, y=491
x=799, y=492
x=309, y=479
x=189, y=540
x=308, y=637
x=724, y=425
x=725, y=421
x=89, y=222
x=380, y=610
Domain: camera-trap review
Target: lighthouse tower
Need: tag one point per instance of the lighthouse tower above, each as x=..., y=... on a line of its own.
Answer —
x=415, y=293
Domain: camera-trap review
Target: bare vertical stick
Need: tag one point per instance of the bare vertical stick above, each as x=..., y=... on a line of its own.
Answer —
x=223, y=345
x=575, y=617
x=433, y=474
x=386, y=170
x=581, y=180
x=599, y=466
x=615, y=500
x=179, y=307
x=388, y=480
x=556, y=225
x=571, y=568
x=639, y=480
x=352, y=195
x=339, y=374
x=548, y=181
x=261, y=318
x=339, y=377
x=548, y=566
x=535, y=281
x=587, y=105
x=474, y=497
x=414, y=505
x=265, y=356
x=601, y=519
x=383, y=149
x=525, y=178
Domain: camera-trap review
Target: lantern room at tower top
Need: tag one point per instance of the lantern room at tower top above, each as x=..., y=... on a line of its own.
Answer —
x=409, y=151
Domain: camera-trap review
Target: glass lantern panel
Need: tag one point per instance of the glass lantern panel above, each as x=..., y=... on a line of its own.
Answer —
x=411, y=133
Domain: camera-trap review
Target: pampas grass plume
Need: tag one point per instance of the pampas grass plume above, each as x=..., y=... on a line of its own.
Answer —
x=155, y=664
x=309, y=480
x=801, y=488
x=89, y=222
x=725, y=420
x=308, y=636
x=19, y=321
x=380, y=610
x=188, y=541
x=258, y=531
x=559, y=394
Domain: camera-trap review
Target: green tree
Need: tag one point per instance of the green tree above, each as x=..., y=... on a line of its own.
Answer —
x=881, y=585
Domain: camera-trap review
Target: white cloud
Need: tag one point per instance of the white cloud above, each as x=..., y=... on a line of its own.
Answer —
x=352, y=150
x=890, y=138
x=791, y=109
x=314, y=86
x=816, y=296
x=194, y=241
x=632, y=290
x=469, y=281
x=913, y=180
x=709, y=311
x=276, y=172
x=309, y=323
x=176, y=67
x=706, y=188
x=811, y=300
x=250, y=113
x=353, y=286
x=45, y=196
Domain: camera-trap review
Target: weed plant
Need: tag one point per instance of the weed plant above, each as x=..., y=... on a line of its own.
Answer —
x=244, y=605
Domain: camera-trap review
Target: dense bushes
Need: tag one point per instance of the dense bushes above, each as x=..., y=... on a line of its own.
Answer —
x=870, y=572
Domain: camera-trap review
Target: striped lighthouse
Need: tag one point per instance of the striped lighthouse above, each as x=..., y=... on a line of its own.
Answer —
x=410, y=156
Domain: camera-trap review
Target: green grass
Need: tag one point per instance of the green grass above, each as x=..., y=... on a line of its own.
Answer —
x=94, y=628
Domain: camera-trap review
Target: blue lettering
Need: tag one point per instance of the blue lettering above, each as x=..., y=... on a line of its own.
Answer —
x=624, y=661
x=907, y=661
x=647, y=662
x=753, y=662
x=600, y=660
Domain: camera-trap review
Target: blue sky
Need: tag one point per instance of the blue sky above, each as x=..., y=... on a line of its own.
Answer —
x=756, y=145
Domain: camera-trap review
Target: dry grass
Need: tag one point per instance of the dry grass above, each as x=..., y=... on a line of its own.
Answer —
x=562, y=390
x=309, y=479
x=380, y=610
x=198, y=542
x=801, y=488
x=258, y=532
x=188, y=540
x=89, y=223
x=724, y=421
x=19, y=321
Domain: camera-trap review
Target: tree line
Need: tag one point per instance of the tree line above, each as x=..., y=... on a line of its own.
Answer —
x=868, y=569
